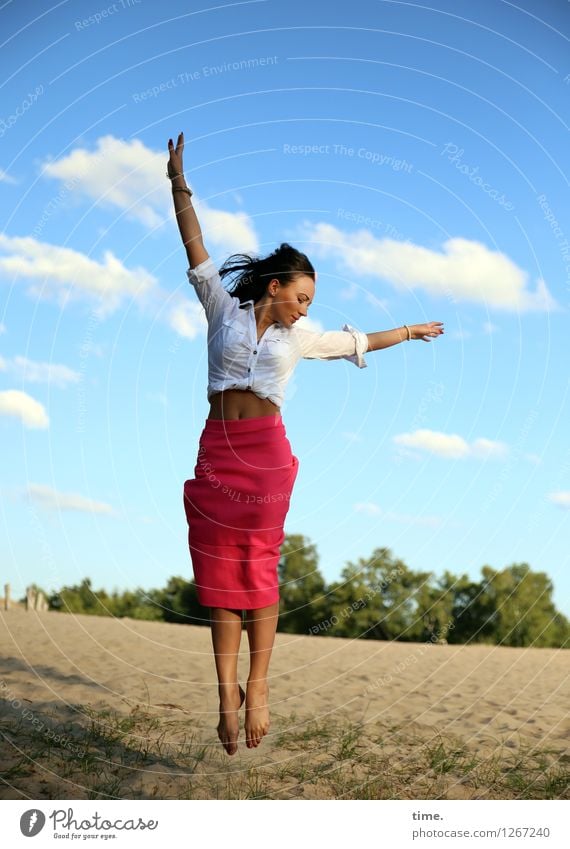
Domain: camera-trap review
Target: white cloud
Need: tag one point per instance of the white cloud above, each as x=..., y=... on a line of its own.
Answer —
x=158, y=398
x=2, y=328
x=464, y=270
x=88, y=348
x=561, y=498
x=535, y=459
x=372, y=509
x=229, y=232
x=350, y=292
x=51, y=499
x=120, y=174
x=6, y=178
x=460, y=334
x=33, y=372
x=450, y=445
x=380, y=303
x=129, y=176
x=488, y=448
x=351, y=436
x=23, y=406
x=403, y=452
x=64, y=273
x=188, y=319
x=368, y=508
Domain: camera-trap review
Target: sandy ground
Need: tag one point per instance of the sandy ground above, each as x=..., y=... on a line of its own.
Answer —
x=485, y=694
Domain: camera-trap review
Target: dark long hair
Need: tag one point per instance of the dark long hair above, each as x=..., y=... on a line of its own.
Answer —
x=253, y=274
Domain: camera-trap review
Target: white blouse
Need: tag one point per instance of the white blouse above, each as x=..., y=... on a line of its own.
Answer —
x=236, y=360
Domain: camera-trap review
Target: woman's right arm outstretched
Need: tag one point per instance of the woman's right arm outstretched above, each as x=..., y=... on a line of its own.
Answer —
x=188, y=223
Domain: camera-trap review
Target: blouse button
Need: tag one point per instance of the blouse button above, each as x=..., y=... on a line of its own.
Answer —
x=255, y=352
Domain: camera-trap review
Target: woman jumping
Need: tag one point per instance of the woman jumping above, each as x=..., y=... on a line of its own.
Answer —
x=238, y=500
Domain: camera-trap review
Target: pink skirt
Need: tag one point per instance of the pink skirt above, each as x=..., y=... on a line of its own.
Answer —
x=236, y=506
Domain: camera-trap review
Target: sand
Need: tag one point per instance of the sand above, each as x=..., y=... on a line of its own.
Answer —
x=489, y=696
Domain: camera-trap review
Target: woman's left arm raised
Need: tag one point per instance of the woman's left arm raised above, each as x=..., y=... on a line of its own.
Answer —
x=386, y=338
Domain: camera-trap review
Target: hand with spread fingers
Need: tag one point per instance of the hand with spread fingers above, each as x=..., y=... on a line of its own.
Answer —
x=432, y=328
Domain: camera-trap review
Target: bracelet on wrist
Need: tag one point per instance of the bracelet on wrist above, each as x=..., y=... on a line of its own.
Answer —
x=172, y=177
x=409, y=333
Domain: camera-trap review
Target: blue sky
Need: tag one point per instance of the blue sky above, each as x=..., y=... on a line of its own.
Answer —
x=417, y=154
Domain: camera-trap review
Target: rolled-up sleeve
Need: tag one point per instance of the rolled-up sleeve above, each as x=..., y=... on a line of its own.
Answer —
x=206, y=281
x=360, y=346
x=348, y=344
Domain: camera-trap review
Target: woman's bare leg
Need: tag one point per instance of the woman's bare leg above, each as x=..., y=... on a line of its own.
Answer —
x=226, y=628
x=261, y=625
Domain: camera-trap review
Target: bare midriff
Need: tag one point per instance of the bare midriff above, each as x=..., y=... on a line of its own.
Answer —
x=240, y=404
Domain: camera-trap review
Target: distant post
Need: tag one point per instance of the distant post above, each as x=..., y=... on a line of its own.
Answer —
x=6, y=596
x=41, y=601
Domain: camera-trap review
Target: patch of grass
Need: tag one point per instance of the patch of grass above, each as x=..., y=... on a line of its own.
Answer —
x=350, y=741
x=167, y=755
x=529, y=772
x=445, y=757
x=303, y=733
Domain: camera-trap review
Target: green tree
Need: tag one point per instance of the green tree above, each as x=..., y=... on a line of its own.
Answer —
x=435, y=608
x=466, y=608
x=81, y=599
x=301, y=585
x=138, y=604
x=176, y=603
x=376, y=598
x=179, y=603
x=523, y=613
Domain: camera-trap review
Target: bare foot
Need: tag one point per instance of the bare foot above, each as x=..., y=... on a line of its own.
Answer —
x=256, y=713
x=231, y=699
